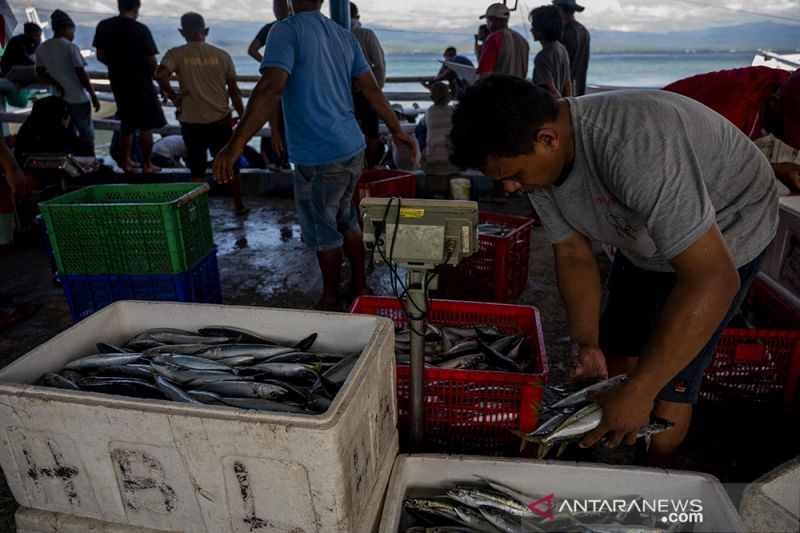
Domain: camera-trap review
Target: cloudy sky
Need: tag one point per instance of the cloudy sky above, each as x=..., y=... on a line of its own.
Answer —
x=443, y=15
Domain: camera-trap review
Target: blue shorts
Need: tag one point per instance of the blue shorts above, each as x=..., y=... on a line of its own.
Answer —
x=82, y=121
x=324, y=198
x=636, y=298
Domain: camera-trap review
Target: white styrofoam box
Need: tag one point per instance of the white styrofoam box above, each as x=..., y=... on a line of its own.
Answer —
x=772, y=502
x=782, y=262
x=180, y=467
x=419, y=475
x=35, y=521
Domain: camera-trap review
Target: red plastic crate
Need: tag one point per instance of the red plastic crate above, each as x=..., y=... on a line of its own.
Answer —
x=471, y=409
x=757, y=364
x=498, y=272
x=385, y=183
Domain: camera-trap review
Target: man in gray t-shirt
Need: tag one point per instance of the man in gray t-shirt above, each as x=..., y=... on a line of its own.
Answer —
x=59, y=64
x=688, y=200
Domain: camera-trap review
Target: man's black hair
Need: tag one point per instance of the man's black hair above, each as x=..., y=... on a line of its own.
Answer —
x=128, y=5
x=547, y=21
x=192, y=22
x=450, y=49
x=568, y=9
x=31, y=28
x=498, y=116
x=353, y=10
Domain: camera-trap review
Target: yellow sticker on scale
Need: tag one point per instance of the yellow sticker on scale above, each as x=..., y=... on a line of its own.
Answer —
x=411, y=212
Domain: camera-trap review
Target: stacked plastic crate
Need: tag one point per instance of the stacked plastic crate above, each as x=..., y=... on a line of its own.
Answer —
x=499, y=271
x=133, y=242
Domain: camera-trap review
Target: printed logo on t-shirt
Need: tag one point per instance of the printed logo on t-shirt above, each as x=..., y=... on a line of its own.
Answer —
x=201, y=61
x=621, y=225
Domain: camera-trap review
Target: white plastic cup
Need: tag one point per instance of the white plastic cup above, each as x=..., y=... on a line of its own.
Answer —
x=459, y=188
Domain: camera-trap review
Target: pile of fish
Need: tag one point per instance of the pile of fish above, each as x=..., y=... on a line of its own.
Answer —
x=566, y=415
x=217, y=365
x=493, y=508
x=495, y=230
x=480, y=348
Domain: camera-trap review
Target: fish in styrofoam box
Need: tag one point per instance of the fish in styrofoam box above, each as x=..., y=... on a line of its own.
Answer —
x=126, y=463
x=536, y=492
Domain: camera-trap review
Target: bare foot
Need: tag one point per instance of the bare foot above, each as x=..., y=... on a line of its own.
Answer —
x=242, y=210
x=129, y=165
x=150, y=168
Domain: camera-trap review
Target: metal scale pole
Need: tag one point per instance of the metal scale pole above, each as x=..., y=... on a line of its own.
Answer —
x=417, y=307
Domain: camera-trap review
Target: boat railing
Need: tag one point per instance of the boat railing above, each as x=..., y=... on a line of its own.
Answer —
x=102, y=86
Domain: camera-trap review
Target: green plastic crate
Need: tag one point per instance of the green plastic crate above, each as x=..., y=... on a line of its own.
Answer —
x=130, y=229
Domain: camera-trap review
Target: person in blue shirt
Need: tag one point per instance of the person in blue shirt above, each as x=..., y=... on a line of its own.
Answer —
x=310, y=64
x=457, y=85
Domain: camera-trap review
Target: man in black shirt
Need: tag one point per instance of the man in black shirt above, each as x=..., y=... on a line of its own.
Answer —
x=17, y=63
x=575, y=38
x=277, y=160
x=127, y=48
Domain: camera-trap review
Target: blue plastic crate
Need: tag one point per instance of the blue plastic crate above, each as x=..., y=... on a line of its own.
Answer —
x=89, y=293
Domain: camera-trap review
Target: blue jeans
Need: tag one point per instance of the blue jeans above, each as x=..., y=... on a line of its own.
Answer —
x=636, y=298
x=324, y=198
x=82, y=121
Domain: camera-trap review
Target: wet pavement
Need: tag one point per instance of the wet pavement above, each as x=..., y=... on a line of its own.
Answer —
x=264, y=262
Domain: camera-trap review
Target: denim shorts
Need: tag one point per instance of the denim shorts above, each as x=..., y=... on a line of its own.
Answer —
x=82, y=121
x=324, y=198
x=636, y=298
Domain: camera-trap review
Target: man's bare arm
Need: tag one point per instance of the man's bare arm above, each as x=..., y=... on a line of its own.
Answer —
x=265, y=96
x=235, y=95
x=579, y=285
x=372, y=92
x=254, y=50
x=707, y=283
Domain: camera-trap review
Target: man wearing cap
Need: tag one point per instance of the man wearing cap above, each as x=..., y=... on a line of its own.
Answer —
x=764, y=103
x=575, y=38
x=60, y=65
x=207, y=81
x=504, y=51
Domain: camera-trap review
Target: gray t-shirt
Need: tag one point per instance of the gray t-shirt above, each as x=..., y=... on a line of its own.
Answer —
x=60, y=57
x=551, y=65
x=652, y=172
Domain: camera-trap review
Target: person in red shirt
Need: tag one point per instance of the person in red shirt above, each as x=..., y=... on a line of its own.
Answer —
x=764, y=103
x=504, y=51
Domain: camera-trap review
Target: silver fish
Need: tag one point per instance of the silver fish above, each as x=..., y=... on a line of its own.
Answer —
x=102, y=360
x=172, y=392
x=473, y=519
x=190, y=362
x=144, y=372
x=475, y=497
x=463, y=361
x=193, y=377
x=245, y=389
x=579, y=397
x=224, y=351
x=58, y=381
x=240, y=335
x=182, y=349
x=204, y=396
